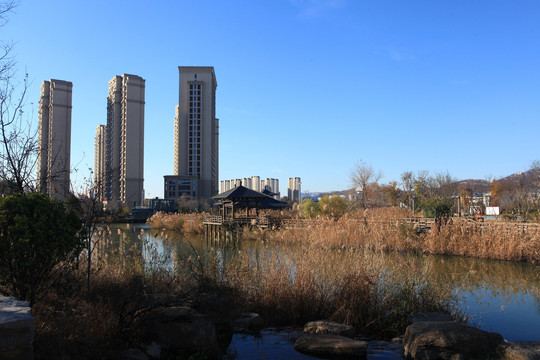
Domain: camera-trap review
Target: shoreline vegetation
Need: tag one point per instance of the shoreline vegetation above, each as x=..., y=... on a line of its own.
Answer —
x=378, y=229
x=290, y=287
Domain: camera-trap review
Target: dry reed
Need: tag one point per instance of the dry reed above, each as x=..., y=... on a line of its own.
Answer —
x=187, y=223
x=379, y=230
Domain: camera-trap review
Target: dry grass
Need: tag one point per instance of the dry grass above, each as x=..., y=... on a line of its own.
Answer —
x=306, y=283
x=187, y=223
x=378, y=230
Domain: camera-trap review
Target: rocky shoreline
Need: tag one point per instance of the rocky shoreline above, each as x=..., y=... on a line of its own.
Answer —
x=180, y=331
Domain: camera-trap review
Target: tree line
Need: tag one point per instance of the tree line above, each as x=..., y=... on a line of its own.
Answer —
x=435, y=195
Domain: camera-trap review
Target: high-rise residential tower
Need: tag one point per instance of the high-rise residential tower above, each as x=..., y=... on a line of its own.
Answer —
x=271, y=185
x=100, y=152
x=294, y=190
x=54, y=138
x=124, y=162
x=196, y=130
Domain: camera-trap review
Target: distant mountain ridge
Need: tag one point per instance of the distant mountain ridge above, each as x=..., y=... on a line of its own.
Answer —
x=477, y=185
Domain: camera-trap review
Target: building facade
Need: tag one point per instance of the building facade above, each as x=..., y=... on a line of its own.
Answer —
x=196, y=130
x=178, y=186
x=124, y=159
x=271, y=185
x=54, y=138
x=294, y=190
x=100, y=152
x=253, y=183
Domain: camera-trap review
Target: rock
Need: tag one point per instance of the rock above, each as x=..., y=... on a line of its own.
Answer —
x=331, y=346
x=16, y=329
x=329, y=327
x=414, y=318
x=179, y=330
x=384, y=350
x=448, y=340
x=153, y=350
x=522, y=350
x=249, y=321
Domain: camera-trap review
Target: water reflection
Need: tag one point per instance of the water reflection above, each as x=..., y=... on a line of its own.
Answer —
x=495, y=295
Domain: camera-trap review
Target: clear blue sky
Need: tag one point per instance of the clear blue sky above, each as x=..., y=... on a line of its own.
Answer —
x=305, y=87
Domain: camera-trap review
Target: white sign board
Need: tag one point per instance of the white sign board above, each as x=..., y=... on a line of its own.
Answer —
x=492, y=210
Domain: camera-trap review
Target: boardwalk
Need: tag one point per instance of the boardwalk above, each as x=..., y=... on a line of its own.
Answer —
x=218, y=220
x=421, y=224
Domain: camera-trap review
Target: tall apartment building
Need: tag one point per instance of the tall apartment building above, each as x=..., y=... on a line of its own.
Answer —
x=294, y=190
x=196, y=130
x=54, y=138
x=271, y=185
x=100, y=155
x=253, y=183
x=124, y=159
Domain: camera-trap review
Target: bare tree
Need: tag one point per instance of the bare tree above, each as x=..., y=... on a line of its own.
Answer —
x=407, y=184
x=363, y=176
x=18, y=146
x=534, y=175
x=89, y=207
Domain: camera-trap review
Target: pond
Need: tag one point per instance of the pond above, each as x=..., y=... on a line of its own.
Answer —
x=497, y=296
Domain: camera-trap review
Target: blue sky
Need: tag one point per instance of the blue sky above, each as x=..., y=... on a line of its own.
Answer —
x=305, y=87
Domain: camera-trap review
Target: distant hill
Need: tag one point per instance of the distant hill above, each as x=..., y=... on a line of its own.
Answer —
x=477, y=185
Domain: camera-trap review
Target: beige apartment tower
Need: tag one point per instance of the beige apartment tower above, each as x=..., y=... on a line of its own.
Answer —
x=54, y=138
x=196, y=130
x=100, y=155
x=124, y=159
x=294, y=190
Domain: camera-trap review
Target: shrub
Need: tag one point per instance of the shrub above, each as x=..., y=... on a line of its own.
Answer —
x=37, y=236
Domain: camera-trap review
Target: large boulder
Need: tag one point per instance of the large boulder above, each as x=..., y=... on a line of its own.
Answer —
x=449, y=340
x=522, y=350
x=417, y=317
x=331, y=346
x=177, y=331
x=329, y=327
x=16, y=329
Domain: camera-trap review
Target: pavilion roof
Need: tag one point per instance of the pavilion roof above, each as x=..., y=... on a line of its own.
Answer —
x=240, y=192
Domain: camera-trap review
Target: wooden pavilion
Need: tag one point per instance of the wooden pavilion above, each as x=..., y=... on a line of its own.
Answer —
x=241, y=205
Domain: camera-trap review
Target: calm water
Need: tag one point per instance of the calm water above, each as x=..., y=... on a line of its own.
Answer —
x=502, y=297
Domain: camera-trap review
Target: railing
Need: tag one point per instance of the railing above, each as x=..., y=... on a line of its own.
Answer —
x=421, y=224
x=261, y=221
x=213, y=220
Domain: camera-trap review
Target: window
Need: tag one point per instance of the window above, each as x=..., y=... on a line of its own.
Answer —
x=195, y=76
x=191, y=86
